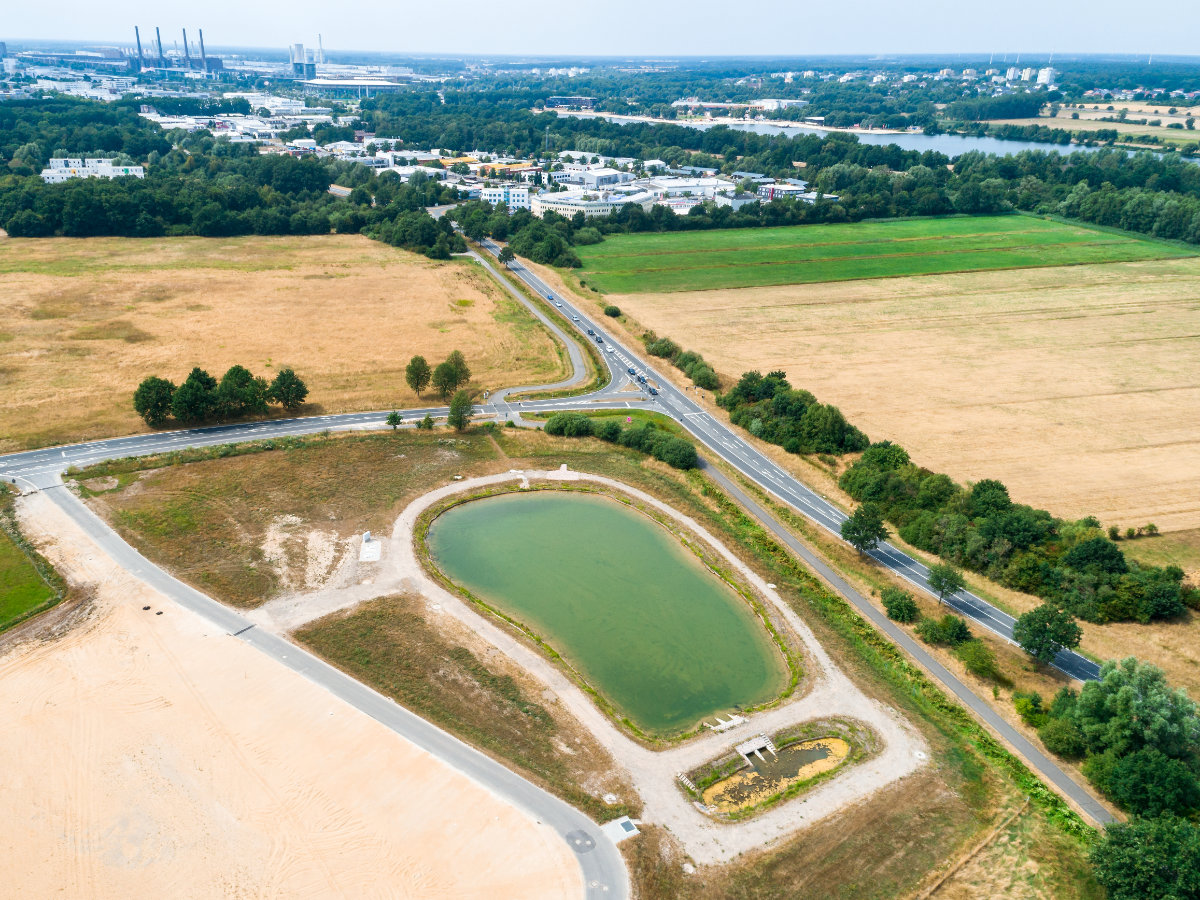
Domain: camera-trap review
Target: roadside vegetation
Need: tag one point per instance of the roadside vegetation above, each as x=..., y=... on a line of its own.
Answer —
x=28, y=583
x=646, y=437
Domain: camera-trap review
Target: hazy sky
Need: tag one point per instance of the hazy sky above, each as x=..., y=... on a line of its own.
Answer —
x=700, y=27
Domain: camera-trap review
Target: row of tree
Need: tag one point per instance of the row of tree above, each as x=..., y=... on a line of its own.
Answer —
x=446, y=378
x=770, y=408
x=1071, y=564
x=201, y=398
x=646, y=437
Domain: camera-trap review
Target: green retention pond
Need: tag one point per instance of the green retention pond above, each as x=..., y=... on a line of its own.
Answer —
x=651, y=628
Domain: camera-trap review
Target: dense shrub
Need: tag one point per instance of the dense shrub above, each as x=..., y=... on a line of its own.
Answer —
x=647, y=438
x=949, y=629
x=612, y=311
x=899, y=605
x=978, y=658
x=791, y=418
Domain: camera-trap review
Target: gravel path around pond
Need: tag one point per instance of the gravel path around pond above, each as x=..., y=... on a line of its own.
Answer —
x=827, y=690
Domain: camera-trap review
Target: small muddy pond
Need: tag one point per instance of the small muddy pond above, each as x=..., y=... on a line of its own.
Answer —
x=650, y=627
x=771, y=774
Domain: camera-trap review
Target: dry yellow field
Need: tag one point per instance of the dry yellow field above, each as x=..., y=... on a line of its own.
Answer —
x=1078, y=387
x=83, y=321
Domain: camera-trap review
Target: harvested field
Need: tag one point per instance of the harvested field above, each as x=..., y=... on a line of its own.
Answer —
x=1075, y=386
x=83, y=321
x=154, y=756
x=803, y=254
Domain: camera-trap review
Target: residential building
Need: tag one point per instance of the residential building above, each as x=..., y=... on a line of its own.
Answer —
x=61, y=170
x=1047, y=75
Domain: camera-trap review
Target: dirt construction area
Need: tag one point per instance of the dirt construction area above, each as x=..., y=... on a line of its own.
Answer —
x=1076, y=386
x=82, y=322
x=151, y=755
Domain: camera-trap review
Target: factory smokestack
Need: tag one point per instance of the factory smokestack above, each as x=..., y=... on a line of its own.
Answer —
x=162, y=62
x=186, y=53
x=137, y=36
x=203, y=58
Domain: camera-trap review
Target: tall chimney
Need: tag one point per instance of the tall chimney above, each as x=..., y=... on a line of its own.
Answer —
x=162, y=62
x=203, y=58
x=138, y=37
x=186, y=53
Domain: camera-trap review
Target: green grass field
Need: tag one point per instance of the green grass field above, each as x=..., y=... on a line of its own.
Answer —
x=22, y=590
x=802, y=254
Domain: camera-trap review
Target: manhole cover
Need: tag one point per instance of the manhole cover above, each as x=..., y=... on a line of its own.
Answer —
x=581, y=841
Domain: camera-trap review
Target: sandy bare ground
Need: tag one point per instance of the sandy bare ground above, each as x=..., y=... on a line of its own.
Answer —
x=82, y=322
x=652, y=773
x=1077, y=386
x=151, y=756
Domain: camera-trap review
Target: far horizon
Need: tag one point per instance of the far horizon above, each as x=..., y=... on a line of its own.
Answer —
x=766, y=29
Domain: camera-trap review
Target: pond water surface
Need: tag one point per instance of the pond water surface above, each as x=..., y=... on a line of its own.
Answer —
x=650, y=627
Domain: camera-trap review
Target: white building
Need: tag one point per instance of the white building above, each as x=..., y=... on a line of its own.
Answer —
x=61, y=170
x=1046, y=75
x=567, y=203
x=512, y=197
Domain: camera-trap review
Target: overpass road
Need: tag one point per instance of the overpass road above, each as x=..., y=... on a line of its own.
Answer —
x=604, y=871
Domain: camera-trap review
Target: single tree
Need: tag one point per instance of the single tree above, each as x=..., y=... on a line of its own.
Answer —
x=460, y=411
x=1149, y=859
x=417, y=374
x=445, y=379
x=288, y=390
x=194, y=399
x=462, y=371
x=865, y=528
x=426, y=424
x=1132, y=706
x=394, y=419
x=1042, y=632
x=152, y=400
x=506, y=256
x=945, y=580
x=899, y=605
x=241, y=394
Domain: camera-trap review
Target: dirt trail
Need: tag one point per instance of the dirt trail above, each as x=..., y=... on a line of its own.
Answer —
x=151, y=755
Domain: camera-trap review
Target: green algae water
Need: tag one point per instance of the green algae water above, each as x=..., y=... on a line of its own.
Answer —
x=647, y=624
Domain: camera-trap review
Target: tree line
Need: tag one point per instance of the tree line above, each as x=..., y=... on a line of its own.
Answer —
x=201, y=398
x=446, y=377
x=1073, y=565
x=646, y=437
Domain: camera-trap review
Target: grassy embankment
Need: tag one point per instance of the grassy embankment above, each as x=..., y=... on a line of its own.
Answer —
x=82, y=322
x=28, y=584
x=882, y=848
x=803, y=254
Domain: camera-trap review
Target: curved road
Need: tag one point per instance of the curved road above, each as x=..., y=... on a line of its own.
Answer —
x=603, y=867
